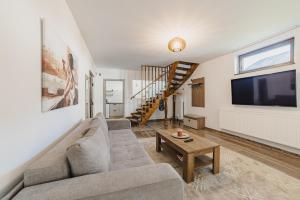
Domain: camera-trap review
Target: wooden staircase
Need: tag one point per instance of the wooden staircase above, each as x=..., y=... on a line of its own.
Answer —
x=158, y=83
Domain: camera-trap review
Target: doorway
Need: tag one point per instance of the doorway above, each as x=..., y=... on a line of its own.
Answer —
x=114, y=97
x=89, y=96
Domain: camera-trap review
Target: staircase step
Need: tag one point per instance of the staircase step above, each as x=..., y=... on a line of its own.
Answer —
x=177, y=79
x=175, y=82
x=154, y=99
x=134, y=121
x=186, y=63
x=179, y=74
x=182, y=68
x=135, y=113
x=136, y=116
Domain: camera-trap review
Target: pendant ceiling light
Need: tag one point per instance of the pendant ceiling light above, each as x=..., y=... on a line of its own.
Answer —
x=176, y=44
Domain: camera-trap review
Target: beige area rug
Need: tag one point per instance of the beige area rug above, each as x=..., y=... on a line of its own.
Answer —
x=144, y=132
x=241, y=178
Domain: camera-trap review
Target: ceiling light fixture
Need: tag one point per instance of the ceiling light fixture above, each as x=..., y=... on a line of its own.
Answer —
x=176, y=44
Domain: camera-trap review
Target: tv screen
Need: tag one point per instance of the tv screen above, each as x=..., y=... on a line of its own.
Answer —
x=278, y=89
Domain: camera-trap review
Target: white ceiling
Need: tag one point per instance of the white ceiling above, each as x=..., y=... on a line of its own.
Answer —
x=129, y=33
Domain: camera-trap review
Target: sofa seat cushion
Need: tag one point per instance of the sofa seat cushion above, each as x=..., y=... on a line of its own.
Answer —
x=123, y=137
x=136, y=162
x=89, y=154
x=126, y=151
x=121, y=132
x=129, y=152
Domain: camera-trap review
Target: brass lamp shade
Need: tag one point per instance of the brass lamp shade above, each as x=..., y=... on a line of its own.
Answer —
x=176, y=44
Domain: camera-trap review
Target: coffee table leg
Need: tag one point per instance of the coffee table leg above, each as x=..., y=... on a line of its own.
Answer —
x=216, y=163
x=188, y=167
x=158, y=143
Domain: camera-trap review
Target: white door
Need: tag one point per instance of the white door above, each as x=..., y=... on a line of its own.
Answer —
x=114, y=98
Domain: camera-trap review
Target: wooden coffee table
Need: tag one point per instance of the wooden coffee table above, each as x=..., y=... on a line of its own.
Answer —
x=193, y=152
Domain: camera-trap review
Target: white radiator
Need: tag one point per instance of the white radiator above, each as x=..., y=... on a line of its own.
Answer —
x=282, y=127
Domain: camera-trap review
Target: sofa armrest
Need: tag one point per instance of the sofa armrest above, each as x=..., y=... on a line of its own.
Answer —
x=150, y=182
x=118, y=124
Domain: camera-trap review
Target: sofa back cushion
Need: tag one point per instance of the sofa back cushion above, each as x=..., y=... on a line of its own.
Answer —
x=99, y=123
x=53, y=165
x=89, y=154
x=103, y=122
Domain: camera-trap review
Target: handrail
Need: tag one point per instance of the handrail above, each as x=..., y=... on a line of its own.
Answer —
x=160, y=76
x=148, y=85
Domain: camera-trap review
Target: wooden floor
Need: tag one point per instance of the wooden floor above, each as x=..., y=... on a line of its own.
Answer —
x=286, y=162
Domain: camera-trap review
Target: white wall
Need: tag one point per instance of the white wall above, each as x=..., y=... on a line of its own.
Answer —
x=128, y=75
x=161, y=114
x=218, y=73
x=25, y=130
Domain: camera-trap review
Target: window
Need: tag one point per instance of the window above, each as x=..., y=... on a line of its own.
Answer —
x=275, y=55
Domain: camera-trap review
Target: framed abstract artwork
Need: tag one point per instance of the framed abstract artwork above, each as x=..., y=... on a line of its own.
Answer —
x=59, y=71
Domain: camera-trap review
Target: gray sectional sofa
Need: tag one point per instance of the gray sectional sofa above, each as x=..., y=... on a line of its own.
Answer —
x=99, y=160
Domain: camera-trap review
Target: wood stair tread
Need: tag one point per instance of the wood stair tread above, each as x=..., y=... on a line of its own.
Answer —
x=186, y=63
x=177, y=79
x=179, y=74
x=183, y=68
x=143, y=113
x=135, y=113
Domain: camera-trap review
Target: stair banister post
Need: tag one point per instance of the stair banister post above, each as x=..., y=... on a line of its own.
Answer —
x=155, y=80
x=165, y=78
x=152, y=81
x=142, y=85
x=160, y=82
x=148, y=72
x=159, y=73
x=166, y=110
x=145, y=82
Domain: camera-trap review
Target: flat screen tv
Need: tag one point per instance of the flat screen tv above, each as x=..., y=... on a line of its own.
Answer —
x=278, y=89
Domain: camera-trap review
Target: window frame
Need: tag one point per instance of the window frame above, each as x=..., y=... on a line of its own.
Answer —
x=264, y=49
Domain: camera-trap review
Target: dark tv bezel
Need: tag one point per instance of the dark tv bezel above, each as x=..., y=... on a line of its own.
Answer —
x=293, y=106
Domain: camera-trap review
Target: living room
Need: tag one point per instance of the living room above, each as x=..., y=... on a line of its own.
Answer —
x=150, y=99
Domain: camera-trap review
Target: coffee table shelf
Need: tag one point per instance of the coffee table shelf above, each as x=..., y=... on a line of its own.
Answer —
x=193, y=153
